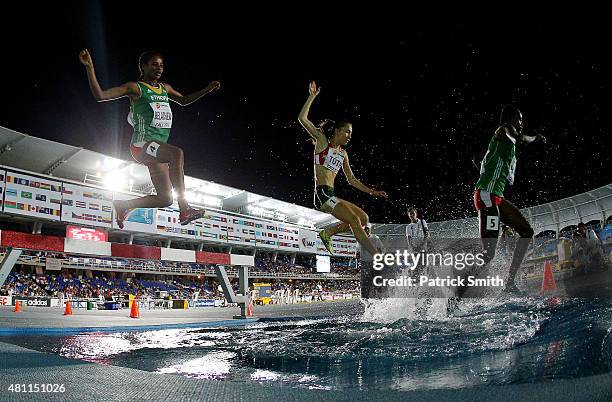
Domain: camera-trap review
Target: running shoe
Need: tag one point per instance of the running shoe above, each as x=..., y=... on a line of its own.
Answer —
x=187, y=216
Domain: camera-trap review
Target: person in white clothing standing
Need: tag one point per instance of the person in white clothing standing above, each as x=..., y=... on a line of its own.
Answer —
x=417, y=231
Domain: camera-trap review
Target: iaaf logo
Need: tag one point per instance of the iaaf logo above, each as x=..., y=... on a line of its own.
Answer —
x=307, y=243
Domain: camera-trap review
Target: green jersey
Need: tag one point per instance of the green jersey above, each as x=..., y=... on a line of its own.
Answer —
x=150, y=115
x=498, y=165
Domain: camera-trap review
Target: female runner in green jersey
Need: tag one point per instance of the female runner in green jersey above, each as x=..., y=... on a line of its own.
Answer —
x=151, y=117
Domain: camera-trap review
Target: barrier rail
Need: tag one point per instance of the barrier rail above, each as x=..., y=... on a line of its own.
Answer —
x=141, y=266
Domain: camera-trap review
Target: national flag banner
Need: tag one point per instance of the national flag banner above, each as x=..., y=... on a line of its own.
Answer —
x=288, y=236
x=237, y=233
x=36, y=200
x=98, y=195
x=74, y=201
x=169, y=218
x=263, y=235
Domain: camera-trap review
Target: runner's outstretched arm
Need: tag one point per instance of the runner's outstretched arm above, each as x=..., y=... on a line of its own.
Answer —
x=355, y=182
x=102, y=95
x=314, y=132
x=529, y=139
x=185, y=100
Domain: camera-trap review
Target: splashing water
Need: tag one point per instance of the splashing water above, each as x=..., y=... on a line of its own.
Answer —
x=393, y=344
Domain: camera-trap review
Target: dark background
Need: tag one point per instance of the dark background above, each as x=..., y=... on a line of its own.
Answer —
x=424, y=98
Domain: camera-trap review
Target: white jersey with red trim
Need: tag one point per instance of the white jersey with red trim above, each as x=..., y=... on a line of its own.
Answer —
x=330, y=158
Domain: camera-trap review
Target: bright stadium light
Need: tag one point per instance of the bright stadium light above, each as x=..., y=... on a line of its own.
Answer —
x=110, y=163
x=115, y=180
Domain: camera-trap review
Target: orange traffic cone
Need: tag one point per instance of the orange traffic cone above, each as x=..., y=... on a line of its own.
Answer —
x=18, y=306
x=134, y=313
x=68, y=310
x=548, y=279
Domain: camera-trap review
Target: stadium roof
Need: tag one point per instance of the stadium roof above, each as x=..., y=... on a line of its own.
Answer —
x=81, y=165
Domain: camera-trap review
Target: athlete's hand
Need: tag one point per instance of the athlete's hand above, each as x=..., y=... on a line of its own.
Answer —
x=313, y=89
x=213, y=86
x=540, y=138
x=85, y=58
x=377, y=193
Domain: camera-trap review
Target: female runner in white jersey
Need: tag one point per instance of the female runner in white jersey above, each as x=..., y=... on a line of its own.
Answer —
x=329, y=157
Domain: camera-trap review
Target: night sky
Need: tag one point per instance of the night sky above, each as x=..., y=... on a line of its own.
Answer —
x=424, y=99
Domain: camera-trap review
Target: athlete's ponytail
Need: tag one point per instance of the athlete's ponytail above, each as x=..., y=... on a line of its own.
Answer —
x=329, y=126
x=144, y=58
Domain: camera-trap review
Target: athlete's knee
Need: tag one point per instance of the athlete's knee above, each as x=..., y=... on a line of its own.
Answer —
x=364, y=218
x=177, y=154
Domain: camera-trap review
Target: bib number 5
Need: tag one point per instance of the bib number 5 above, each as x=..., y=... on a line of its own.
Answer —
x=492, y=223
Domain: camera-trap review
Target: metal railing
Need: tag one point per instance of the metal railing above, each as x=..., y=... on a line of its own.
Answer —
x=142, y=266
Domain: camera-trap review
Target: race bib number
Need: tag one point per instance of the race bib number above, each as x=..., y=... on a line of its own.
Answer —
x=334, y=160
x=152, y=149
x=492, y=222
x=162, y=115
